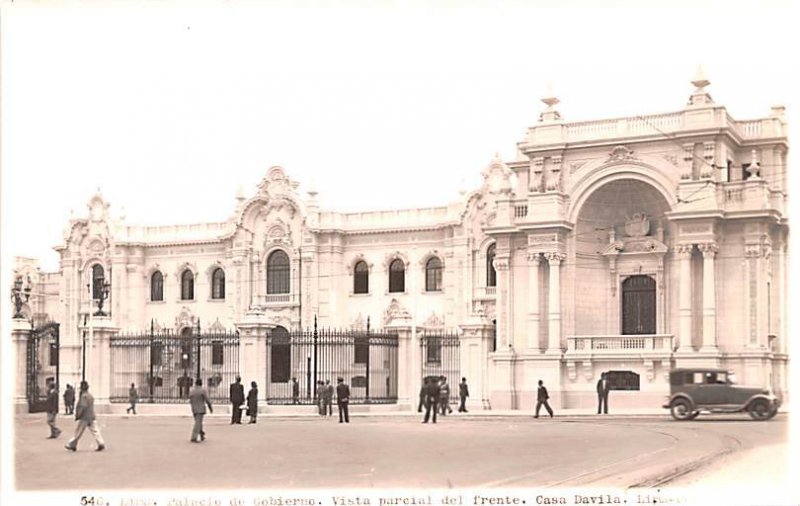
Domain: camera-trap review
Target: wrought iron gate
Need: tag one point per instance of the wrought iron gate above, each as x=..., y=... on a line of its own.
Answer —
x=164, y=365
x=441, y=355
x=42, y=365
x=297, y=360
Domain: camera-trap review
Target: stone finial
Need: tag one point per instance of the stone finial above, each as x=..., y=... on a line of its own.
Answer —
x=700, y=96
x=778, y=111
x=550, y=100
x=240, y=193
x=754, y=169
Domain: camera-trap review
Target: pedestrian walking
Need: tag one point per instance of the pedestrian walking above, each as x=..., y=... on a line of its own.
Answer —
x=52, y=409
x=444, y=396
x=432, y=395
x=602, y=394
x=252, y=402
x=84, y=414
x=295, y=391
x=198, y=398
x=237, y=399
x=343, y=400
x=541, y=400
x=321, y=410
x=328, y=398
x=69, y=399
x=133, y=398
x=463, y=393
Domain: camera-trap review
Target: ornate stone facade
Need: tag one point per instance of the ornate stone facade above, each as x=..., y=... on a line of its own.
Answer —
x=646, y=254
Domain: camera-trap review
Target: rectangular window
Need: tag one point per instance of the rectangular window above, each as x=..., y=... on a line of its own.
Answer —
x=53, y=354
x=155, y=353
x=433, y=353
x=362, y=350
x=217, y=353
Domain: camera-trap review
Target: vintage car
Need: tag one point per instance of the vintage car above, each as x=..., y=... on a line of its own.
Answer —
x=715, y=391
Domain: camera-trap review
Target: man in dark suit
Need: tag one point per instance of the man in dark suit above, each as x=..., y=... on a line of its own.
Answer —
x=541, y=399
x=463, y=393
x=432, y=394
x=602, y=394
x=198, y=398
x=237, y=399
x=343, y=400
x=52, y=409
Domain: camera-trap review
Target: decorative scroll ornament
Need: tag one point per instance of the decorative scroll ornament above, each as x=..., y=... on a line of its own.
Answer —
x=433, y=321
x=620, y=153
x=395, y=311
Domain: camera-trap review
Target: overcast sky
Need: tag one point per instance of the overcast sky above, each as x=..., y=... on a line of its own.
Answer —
x=169, y=108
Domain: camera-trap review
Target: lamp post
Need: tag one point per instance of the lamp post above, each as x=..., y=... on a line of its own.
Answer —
x=105, y=288
x=20, y=295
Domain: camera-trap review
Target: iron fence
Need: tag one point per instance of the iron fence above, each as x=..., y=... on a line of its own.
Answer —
x=297, y=360
x=164, y=365
x=441, y=355
x=42, y=364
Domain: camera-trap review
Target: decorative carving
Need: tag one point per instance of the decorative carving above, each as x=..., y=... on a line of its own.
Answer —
x=571, y=371
x=534, y=258
x=433, y=321
x=359, y=323
x=217, y=327
x=708, y=249
x=650, y=370
x=501, y=263
x=395, y=311
x=389, y=258
x=752, y=250
x=620, y=153
x=537, y=166
x=358, y=258
x=185, y=319
x=587, y=370
x=555, y=258
x=637, y=225
x=671, y=159
x=684, y=250
x=554, y=174
x=497, y=176
x=575, y=166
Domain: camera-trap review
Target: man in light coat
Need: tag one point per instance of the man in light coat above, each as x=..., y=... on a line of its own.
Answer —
x=198, y=398
x=84, y=414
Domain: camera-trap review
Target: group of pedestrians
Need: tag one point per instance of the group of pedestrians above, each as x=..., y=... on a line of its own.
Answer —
x=84, y=414
x=325, y=398
x=238, y=400
x=435, y=397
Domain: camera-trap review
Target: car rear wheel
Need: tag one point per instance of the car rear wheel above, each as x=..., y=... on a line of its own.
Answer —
x=680, y=410
x=760, y=410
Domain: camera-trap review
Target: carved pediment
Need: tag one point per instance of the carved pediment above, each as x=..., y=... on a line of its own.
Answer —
x=395, y=311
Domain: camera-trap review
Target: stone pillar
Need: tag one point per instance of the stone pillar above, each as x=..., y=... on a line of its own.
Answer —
x=709, y=297
x=684, y=252
x=253, y=332
x=534, y=261
x=554, y=314
x=20, y=334
x=476, y=343
x=98, y=359
x=409, y=373
x=503, y=308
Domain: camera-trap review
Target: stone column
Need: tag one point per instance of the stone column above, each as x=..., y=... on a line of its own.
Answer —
x=501, y=265
x=554, y=314
x=709, y=297
x=476, y=343
x=409, y=373
x=534, y=261
x=98, y=360
x=684, y=252
x=253, y=332
x=20, y=334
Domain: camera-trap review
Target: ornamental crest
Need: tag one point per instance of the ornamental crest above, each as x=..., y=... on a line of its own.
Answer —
x=395, y=311
x=637, y=225
x=620, y=153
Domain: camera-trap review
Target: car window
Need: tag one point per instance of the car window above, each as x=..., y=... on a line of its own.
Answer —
x=698, y=378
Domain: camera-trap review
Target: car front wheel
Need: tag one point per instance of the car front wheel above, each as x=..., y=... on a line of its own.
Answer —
x=760, y=410
x=680, y=410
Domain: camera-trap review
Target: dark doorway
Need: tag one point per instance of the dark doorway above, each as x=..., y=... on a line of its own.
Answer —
x=639, y=305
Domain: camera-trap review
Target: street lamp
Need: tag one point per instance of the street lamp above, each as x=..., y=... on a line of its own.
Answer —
x=105, y=287
x=20, y=295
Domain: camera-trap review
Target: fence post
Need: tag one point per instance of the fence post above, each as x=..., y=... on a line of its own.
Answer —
x=20, y=334
x=253, y=331
x=408, y=374
x=476, y=344
x=99, y=374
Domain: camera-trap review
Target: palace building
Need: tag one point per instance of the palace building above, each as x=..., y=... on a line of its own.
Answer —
x=630, y=245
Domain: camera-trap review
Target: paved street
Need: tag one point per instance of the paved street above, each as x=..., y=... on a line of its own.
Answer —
x=386, y=451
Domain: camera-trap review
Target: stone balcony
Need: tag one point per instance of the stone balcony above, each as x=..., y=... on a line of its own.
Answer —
x=626, y=345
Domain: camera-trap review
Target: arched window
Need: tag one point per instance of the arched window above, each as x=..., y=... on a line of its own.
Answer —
x=218, y=284
x=277, y=272
x=397, y=276
x=187, y=285
x=280, y=355
x=361, y=278
x=98, y=277
x=157, y=286
x=639, y=305
x=491, y=274
x=433, y=275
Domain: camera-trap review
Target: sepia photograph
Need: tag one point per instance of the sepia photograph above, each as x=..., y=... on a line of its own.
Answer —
x=425, y=253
